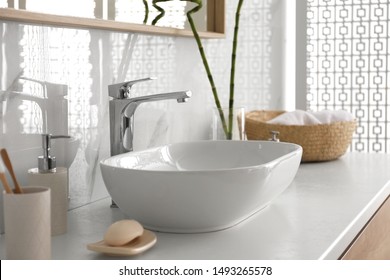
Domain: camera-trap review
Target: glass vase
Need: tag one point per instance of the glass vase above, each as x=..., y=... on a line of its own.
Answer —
x=228, y=124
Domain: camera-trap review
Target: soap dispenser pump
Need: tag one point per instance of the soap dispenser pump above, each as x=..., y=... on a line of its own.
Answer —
x=47, y=174
x=47, y=163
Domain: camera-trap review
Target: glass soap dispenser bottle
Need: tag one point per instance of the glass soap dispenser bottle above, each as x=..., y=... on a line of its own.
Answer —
x=55, y=178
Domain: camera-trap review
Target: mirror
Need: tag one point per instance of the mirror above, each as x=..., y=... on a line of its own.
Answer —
x=120, y=15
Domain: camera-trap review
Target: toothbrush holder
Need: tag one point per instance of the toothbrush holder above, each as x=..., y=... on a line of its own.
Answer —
x=27, y=224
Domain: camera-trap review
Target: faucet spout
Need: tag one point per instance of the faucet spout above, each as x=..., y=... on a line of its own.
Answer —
x=180, y=96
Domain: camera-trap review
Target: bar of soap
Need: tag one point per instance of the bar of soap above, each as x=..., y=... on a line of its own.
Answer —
x=123, y=232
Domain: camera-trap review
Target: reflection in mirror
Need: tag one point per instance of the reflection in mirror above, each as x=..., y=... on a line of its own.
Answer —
x=127, y=11
x=28, y=108
x=175, y=13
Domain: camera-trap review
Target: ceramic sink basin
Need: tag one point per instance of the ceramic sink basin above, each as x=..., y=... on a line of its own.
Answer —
x=200, y=186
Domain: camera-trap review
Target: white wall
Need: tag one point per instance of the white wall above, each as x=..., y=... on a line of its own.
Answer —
x=86, y=61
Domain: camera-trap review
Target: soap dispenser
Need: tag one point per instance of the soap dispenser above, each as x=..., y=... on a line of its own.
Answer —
x=55, y=178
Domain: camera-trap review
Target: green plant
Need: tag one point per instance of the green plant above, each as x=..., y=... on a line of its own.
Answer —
x=227, y=124
x=158, y=8
x=146, y=11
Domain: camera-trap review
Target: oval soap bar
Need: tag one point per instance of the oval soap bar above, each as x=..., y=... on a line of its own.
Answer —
x=122, y=232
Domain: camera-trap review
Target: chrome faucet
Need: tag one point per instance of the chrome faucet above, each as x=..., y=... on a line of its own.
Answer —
x=122, y=108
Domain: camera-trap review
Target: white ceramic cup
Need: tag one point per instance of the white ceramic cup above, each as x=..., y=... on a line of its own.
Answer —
x=27, y=224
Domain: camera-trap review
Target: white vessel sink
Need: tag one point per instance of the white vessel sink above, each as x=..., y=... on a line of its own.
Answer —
x=200, y=186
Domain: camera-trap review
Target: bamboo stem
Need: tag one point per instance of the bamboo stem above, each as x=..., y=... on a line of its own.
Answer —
x=146, y=11
x=233, y=64
x=161, y=10
x=205, y=62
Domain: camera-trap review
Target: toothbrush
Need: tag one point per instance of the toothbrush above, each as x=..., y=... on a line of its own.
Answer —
x=3, y=179
x=8, y=164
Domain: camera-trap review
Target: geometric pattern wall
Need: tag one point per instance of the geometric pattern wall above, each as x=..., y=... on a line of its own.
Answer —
x=348, y=65
x=253, y=68
x=46, y=58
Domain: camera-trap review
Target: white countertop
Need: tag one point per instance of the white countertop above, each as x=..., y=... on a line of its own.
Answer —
x=315, y=218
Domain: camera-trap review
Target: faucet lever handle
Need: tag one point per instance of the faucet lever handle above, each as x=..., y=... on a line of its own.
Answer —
x=121, y=90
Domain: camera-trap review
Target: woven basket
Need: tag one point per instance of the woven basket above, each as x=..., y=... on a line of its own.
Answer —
x=320, y=142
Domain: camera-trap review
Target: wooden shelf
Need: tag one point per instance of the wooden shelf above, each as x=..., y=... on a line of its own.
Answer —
x=215, y=23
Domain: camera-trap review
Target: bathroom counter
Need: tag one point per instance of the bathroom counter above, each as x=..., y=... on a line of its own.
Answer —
x=317, y=217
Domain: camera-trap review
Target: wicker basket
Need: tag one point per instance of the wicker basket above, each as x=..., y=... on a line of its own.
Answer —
x=319, y=142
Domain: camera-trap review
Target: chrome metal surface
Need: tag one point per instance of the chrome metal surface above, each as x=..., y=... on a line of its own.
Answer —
x=274, y=136
x=46, y=162
x=123, y=90
x=122, y=109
